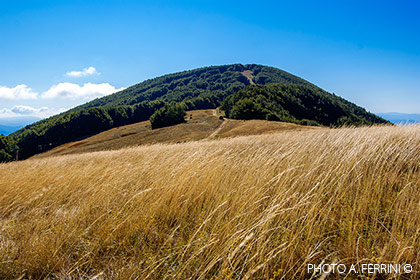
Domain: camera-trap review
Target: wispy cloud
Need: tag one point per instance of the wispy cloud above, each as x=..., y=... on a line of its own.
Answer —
x=59, y=91
x=23, y=110
x=18, y=92
x=85, y=72
x=75, y=91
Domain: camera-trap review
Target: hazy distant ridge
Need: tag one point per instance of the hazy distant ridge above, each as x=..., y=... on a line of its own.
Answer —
x=400, y=117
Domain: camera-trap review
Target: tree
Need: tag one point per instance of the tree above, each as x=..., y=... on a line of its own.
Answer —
x=170, y=114
x=247, y=109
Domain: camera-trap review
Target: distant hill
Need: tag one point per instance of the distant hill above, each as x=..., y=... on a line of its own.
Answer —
x=9, y=125
x=6, y=130
x=399, y=118
x=203, y=88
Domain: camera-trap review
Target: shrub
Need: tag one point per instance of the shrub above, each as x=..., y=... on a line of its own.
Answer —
x=309, y=122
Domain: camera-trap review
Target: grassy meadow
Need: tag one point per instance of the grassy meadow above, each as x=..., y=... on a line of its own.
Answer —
x=250, y=207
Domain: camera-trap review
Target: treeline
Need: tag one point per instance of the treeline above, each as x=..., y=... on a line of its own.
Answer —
x=50, y=133
x=297, y=104
x=7, y=148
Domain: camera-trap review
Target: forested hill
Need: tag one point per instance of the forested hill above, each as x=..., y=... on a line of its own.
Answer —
x=203, y=88
x=297, y=104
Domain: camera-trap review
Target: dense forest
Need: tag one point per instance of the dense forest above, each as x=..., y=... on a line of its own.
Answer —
x=295, y=103
x=202, y=88
x=55, y=131
x=292, y=99
x=7, y=148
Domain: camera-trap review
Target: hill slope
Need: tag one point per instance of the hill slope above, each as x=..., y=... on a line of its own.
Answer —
x=201, y=124
x=203, y=88
x=254, y=207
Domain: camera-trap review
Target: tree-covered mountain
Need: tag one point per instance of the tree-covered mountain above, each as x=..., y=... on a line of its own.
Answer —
x=202, y=88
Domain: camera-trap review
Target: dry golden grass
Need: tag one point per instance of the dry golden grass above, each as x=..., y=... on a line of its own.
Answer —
x=255, y=207
x=202, y=125
x=234, y=128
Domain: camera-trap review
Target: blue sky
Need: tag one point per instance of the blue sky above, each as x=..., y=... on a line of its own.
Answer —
x=57, y=54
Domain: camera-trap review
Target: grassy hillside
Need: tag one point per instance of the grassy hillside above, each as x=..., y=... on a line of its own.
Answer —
x=255, y=207
x=201, y=124
x=203, y=88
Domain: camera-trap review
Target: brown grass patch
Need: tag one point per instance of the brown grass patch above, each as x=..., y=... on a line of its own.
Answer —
x=202, y=125
x=255, y=207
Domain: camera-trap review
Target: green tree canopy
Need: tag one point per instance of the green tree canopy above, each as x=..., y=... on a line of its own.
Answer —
x=168, y=115
x=295, y=103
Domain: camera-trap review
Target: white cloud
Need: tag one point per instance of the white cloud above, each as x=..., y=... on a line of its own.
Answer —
x=75, y=91
x=18, y=92
x=85, y=72
x=61, y=90
x=23, y=110
x=27, y=110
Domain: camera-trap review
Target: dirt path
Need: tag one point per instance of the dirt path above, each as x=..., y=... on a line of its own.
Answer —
x=220, y=127
x=217, y=129
x=249, y=75
x=217, y=114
